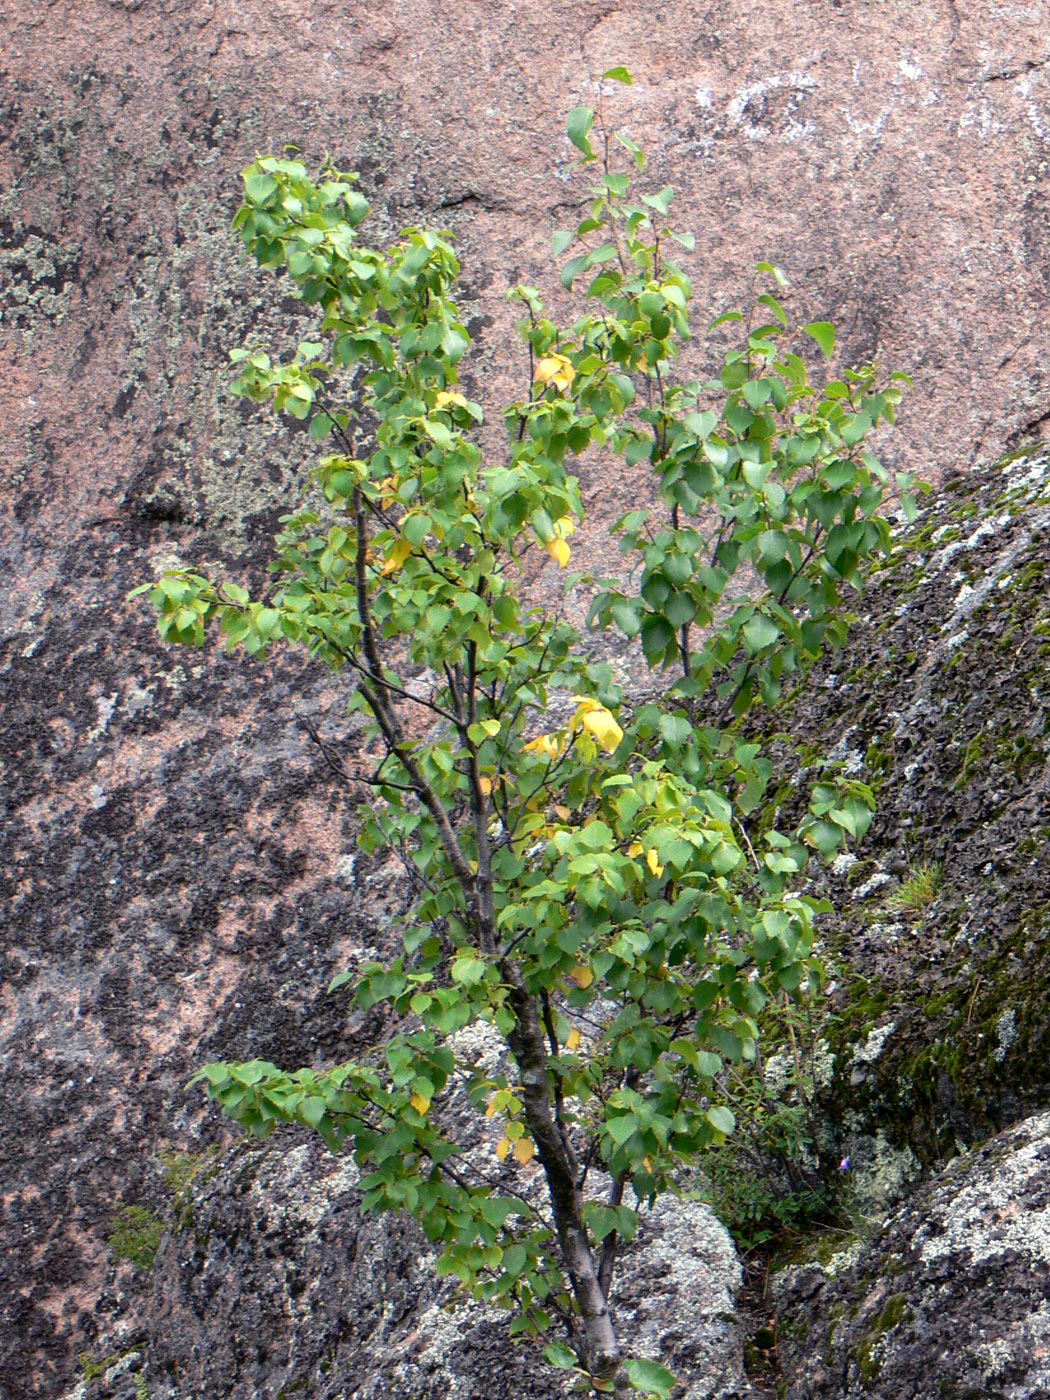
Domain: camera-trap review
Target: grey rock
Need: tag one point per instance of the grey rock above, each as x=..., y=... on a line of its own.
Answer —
x=278, y=1286
x=952, y=1297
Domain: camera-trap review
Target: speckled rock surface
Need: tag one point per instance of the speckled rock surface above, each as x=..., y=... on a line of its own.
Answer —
x=177, y=867
x=277, y=1286
x=952, y=1298
x=941, y=701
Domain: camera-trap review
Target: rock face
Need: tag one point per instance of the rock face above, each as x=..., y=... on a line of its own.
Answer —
x=941, y=702
x=178, y=865
x=951, y=1299
x=277, y=1286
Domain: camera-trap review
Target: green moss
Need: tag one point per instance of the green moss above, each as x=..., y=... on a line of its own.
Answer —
x=819, y=1246
x=1019, y=753
x=867, y=998
x=895, y=1311
x=135, y=1235
x=971, y=761
x=1035, y=448
x=92, y=1366
x=933, y=1006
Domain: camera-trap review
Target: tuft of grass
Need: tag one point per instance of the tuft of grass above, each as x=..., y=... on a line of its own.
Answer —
x=918, y=889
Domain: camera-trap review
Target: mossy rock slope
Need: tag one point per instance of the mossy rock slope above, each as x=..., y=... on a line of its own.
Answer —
x=941, y=937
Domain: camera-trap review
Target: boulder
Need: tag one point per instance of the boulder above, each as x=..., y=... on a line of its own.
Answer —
x=940, y=939
x=272, y=1283
x=950, y=1298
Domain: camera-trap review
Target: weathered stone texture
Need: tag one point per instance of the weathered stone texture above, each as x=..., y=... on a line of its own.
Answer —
x=951, y=1299
x=277, y=1282
x=177, y=868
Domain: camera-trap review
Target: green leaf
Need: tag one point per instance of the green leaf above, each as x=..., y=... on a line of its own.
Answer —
x=496, y=1209
x=701, y=424
x=468, y=971
x=260, y=188
x=649, y=1377
x=675, y=729
x=604, y=254
x=578, y=124
x=771, y=304
x=627, y=614
x=558, y=1354
x=562, y=240
x=620, y=1129
x=760, y=632
x=657, y=636
x=823, y=332
x=572, y=269
x=312, y=1110
x=515, y=1257
x=619, y=74
x=774, y=272
x=721, y=1119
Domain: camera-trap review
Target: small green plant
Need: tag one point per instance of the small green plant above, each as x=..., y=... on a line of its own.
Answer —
x=768, y=1181
x=181, y=1172
x=918, y=889
x=584, y=880
x=135, y=1235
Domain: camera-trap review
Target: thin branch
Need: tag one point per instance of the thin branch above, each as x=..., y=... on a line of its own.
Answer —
x=607, y=1262
x=338, y=767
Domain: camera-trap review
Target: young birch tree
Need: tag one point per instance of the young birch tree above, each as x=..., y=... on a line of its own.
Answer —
x=589, y=878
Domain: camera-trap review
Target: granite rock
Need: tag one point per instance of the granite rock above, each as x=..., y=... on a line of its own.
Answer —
x=951, y=1298
x=178, y=866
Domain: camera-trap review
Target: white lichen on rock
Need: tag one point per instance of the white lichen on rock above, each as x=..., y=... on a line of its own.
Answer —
x=996, y=1213
x=1006, y=1030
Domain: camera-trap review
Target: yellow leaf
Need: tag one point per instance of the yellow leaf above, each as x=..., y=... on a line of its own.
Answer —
x=564, y=526
x=419, y=1103
x=604, y=728
x=396, y=556
x=556, y=370
x=545, y=743
x=573, y=1039
x=502, y=1148
x=582, y=975
x=493, y=1106
x=562, y=813
x=491, y=727
x=444, y=399
x=485, y=784
x=652, y=860
x=524, y=1150
x=598, y=721
x=558, y=549
x=635, y=848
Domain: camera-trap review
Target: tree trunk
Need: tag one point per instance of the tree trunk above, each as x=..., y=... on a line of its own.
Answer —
x=601, y=1348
